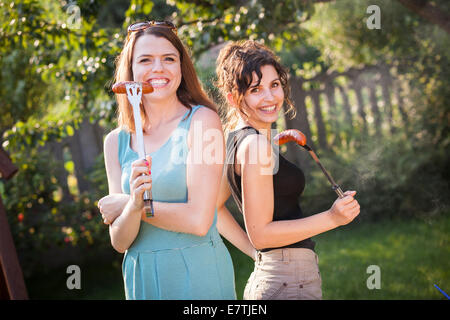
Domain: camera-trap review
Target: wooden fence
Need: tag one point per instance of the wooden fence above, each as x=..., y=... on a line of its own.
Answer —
x=331, y=107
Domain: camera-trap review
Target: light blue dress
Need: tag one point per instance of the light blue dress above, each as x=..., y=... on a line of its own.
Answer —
x=162, y=264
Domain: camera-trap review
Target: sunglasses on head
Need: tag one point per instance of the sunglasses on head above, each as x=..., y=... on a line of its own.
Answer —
x=140, y=26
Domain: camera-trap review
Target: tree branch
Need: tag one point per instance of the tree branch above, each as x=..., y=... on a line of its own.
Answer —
x=429, y=11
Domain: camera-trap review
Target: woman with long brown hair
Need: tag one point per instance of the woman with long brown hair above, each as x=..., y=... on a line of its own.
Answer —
x=255, y=87
x=177, y=253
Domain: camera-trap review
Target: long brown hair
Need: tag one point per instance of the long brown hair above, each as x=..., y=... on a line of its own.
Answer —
x=235, y=66
x=190, y=92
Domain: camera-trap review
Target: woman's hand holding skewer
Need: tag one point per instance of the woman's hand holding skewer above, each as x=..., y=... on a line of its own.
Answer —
x=345, y=209
x=140, y=181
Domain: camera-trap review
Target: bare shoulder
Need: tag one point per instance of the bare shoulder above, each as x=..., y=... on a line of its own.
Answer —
x=254, y=148
x=207, y=116
x=111, y=143
x=112, y=138
x=112, y=165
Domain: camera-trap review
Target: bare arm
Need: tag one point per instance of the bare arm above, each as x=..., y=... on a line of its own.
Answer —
x=112, y=205
x=203, y=173
x=227, y=225
x=258, y=204
x=125, y=228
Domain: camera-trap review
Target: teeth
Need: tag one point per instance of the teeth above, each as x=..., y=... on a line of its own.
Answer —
x=158, y=81
x=272, y=108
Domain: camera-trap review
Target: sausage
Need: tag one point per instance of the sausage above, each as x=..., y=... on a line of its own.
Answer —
x=120, y=87
x=290, y=135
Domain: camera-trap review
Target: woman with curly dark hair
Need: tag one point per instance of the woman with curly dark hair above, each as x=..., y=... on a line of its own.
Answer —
x=266, y=186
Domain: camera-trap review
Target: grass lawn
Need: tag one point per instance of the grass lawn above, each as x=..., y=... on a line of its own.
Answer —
x=412, y=255
x=101, y=281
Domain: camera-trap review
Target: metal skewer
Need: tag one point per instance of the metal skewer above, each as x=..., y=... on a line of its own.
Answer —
x=298, y=137
x=334, y=185
x=134, y=94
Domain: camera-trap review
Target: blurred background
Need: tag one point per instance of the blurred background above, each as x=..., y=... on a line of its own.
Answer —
x=370, y=81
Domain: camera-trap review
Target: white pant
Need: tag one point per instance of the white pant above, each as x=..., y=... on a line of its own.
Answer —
x=285, y=274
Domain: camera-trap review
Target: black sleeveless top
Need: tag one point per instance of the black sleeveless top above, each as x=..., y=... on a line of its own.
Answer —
x=288, y=185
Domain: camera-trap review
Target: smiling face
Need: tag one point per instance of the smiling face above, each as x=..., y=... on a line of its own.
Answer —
x=157, y=61
x=263, y=101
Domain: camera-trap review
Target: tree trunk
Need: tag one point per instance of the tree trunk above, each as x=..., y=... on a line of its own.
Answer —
x=85, y=147
x=429, y=11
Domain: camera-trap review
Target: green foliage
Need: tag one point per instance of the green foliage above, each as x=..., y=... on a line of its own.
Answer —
x=40, y=221
x=207, y=23
x=33, y=133
x=56, y=69
x=395, y=178
x=400, y=173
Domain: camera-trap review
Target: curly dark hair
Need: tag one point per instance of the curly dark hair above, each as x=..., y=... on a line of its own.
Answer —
x=235, y=66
